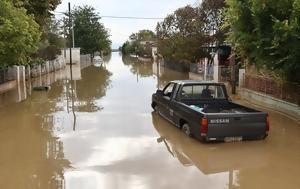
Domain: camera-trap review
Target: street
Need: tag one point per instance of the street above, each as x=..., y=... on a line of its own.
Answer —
x=105, y=135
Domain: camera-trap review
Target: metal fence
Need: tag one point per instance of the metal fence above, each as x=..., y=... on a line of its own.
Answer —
x=3, y=75
x=289, y=92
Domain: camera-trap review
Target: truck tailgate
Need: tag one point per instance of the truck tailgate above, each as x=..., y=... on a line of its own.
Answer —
x=246, y=125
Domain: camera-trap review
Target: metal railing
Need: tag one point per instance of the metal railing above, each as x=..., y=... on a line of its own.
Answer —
x=289, y=92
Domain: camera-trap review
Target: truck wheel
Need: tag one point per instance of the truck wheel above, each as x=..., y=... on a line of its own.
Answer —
x=186, y=129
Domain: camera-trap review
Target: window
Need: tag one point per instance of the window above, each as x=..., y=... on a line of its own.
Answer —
x=202, y=92
x=168, y=90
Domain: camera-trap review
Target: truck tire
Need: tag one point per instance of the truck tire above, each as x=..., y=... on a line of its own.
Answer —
x=186, y=129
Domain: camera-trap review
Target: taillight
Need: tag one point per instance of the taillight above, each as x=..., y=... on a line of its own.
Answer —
x=204, y=123
x=267, y=122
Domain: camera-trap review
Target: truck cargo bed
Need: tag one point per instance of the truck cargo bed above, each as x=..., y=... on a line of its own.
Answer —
x=225, y=107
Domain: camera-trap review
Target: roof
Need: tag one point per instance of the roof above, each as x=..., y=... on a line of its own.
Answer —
x=195, y=82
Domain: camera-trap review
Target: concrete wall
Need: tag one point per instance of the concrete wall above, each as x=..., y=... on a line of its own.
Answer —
x=45, y=74
x=75, y=55
x=195, y=76
x=47, y=67
x=270, y=102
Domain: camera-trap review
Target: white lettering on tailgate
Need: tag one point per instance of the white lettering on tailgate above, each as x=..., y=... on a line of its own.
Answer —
x=219, y=121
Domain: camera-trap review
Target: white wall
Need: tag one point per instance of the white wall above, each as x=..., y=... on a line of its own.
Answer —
x=75, y=55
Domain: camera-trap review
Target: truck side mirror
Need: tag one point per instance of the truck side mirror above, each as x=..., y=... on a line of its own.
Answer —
x=159, y=92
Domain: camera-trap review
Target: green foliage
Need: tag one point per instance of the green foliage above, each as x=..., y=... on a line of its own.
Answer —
x=90, y=34
x=140, y=43
x=185, y=34
x=40, y=9
x=36, y=61
x=50, y=38
x=145, y=35
x=48, y=53
x=213, y=15
x=51, y=46
x=132, y=47
x=267, y=34
x=54, y=33
x=19, y=34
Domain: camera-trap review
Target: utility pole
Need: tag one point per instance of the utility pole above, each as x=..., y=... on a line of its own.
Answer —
x=71, y=71
x=70, y=32
x=65, y=37
x=73, y=38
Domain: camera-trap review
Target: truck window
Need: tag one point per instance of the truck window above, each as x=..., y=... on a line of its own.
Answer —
x=202, y=92
x=168, y=90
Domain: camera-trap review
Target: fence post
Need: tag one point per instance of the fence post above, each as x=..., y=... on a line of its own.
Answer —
x=241, y=78
x=28, y=72
x=22, y=73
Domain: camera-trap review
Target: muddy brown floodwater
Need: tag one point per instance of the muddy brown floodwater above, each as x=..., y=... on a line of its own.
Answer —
x=106, y=137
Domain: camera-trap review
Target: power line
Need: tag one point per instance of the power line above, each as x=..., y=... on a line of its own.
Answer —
x=117, y=17
x=132, y=17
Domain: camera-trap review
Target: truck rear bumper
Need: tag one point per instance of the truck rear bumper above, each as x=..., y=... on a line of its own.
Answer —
x=232, y=139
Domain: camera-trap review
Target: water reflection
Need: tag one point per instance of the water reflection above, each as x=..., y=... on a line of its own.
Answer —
x=32, y=156
x=92, y=87
x=139, y=68
x=165, y=75
x=209, y=158
x=17, y=94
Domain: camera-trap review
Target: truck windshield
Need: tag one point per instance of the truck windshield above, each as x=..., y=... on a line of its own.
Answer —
x=202, y=92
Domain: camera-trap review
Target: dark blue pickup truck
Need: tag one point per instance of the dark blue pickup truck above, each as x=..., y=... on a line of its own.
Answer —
x=203, y=110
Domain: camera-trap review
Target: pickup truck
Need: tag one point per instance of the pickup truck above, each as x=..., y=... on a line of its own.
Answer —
x=203, y=110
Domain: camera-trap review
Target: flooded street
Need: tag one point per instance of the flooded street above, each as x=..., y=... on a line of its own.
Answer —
x=106, y=136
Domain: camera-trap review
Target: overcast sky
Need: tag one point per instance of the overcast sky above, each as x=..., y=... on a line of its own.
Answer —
x=120, y=29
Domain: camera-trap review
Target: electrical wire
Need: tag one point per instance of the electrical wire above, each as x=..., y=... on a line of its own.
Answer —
x=132, y=17
x=196, y=3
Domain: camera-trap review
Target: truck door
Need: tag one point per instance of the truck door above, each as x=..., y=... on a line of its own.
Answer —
x=168, y=94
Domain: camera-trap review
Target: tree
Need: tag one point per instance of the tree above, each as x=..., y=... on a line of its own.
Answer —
x=51, y=41
x=90, y=34
x=140, y=43
x=181, y=35
x=145, y=35
x=267, y=34
x=186, y=34
x=19, y=34
x=213, y=15
x=40, y=9
x=50, y=47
